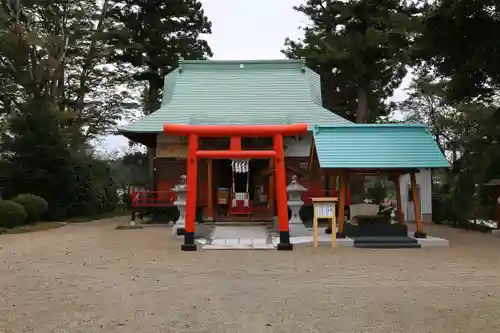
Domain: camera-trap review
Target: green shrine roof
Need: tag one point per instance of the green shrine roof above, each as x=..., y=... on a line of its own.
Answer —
x=244, y=92
x=377, y=146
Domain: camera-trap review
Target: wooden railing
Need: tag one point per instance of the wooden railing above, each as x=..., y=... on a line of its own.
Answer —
x=145, y=198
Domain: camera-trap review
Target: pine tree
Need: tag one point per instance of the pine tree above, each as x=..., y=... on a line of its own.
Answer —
x=360, y=49
x=154, y=34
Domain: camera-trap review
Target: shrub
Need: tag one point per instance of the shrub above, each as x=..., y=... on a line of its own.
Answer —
x=34, y=205
x=12, y=214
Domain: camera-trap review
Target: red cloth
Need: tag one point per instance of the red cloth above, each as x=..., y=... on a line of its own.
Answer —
x=240, y=207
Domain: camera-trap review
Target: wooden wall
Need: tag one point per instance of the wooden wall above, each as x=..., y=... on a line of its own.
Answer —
x=171, y=146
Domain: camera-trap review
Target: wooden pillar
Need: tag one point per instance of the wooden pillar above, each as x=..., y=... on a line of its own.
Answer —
x=281, y=194
x=332, y=178
x=416, y=205
x=342, y=195
x=270, y=196
x=333, y=182
x=210, y=194
x=399, y=210
x=192, y=180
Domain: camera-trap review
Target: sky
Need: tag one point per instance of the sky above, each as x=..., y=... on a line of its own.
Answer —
x=248, y=29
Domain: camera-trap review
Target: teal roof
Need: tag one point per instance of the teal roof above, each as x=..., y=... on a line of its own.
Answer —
x=239, y=92
x=380, y=146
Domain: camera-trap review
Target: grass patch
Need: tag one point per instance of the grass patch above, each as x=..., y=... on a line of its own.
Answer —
x=108, y=215
x=34, y=227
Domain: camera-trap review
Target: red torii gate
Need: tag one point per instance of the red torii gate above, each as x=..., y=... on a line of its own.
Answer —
x=236, y=133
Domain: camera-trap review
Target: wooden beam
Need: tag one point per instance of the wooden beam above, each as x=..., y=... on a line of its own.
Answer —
x=312, y=156
x=399, y=210
x=416, y=205
x=342, y=195
x=210, y=206
x=375, y=171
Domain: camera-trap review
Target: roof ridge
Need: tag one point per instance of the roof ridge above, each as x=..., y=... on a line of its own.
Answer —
x=242, y=61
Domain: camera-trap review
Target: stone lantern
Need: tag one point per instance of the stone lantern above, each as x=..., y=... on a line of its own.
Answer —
x=180, y=191
x=294, y=191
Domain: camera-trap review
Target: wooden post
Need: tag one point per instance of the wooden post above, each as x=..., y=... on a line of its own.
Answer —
x=210, y=199
x=333, y=193
x=270, y=196
x=399, y=210
x=281, y=194
x=334, y=227
x=342, y=195
x=315, y=229
x=333, y=182
x=416, y=205
x=192, y=180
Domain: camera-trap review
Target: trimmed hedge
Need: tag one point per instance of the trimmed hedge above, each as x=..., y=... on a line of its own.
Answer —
x=12, y=214
x=34, y=205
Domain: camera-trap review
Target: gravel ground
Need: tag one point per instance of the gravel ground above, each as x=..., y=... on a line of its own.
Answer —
x=92, y=278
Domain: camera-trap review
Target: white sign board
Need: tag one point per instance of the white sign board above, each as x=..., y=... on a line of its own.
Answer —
x=324, y=209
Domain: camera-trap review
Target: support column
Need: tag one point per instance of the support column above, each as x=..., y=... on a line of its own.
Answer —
x=416, y=205
x=192, y=180
x=333, y=190
x=341, y=202
x=399, y=209
x=280, y=175
x=210, y=194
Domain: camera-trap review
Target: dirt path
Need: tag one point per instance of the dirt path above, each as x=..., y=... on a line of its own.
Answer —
x=92, y=278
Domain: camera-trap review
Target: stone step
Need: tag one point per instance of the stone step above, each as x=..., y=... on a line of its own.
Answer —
x=387, y=245
x=238, y=247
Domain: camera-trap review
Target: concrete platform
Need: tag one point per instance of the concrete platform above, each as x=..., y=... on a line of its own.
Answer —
x=258, y=238
x=433, y=242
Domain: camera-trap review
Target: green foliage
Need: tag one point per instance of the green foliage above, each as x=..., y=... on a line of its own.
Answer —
x=12, y=214
x=377, y=193
x=153, y=35
x=360, y=49
x=37, y=160
x=62, y=56
x=34, y=205
x=460, y=40
x=130, y=169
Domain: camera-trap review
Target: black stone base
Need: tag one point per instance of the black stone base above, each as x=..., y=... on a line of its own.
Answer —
x=284, y=244
x=285, y=247
x=420, y=234
x=189, y=244
x=340, y=235
x=328, y=231
x=375, y=230
x=189, y=247
x=181, y=232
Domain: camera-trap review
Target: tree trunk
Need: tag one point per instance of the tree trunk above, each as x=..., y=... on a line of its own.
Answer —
x=151, y=105
x=362, y=109
x=357, y=182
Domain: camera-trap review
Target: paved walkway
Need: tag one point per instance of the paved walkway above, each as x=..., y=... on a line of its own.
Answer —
x=239, y=237
x=259, y=238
